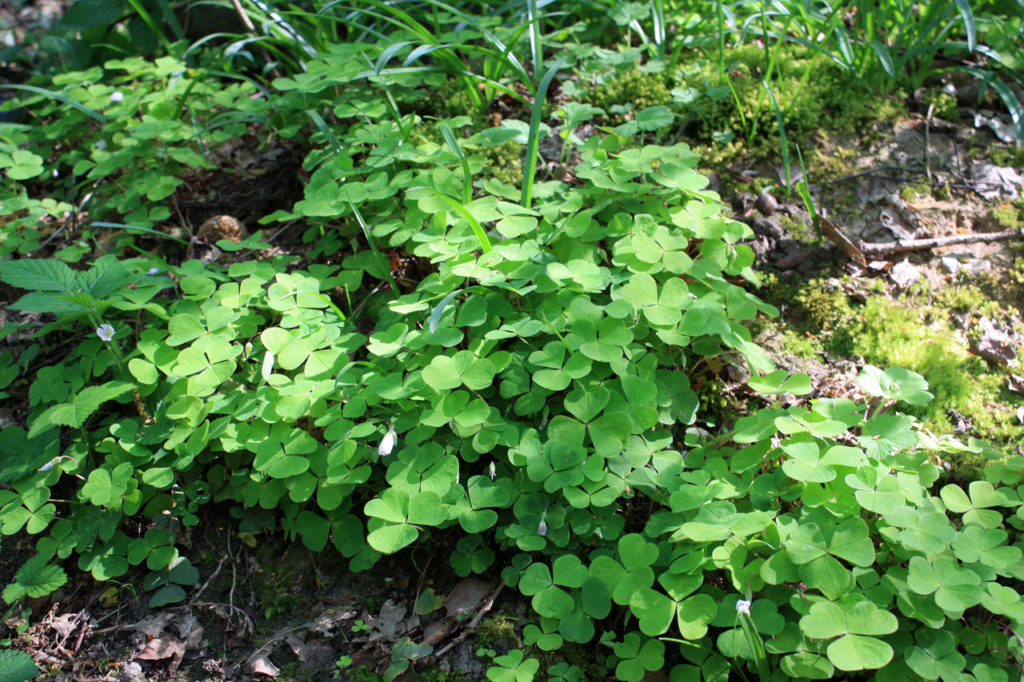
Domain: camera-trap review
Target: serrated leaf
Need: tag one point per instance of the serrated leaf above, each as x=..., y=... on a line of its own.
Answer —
x=647, y=120
x=75, y=413
x=17, y=666
x=35, y=578
x=39, y=275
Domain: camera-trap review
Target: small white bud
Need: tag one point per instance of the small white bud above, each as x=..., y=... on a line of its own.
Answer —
x=49, y=465
x=743, y=607
x=542, y=528
x=388, y=443
x=153, y=271
x=101, y=144
x=492, y=471
x=268, y=365
x=105, y=332
x=117, y=96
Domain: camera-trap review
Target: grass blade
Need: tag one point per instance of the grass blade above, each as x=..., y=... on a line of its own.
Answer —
x=1006, y=93
x=658, y=13
x=536, y=44
x=968, y=16
x=147, y=18
x=467, y=173
x=782, y=135
x=474, y=224
x=805, y=194
x=883, y=56
x=435, y=316
x=378, y=257
x=91, y=113
x=530, y=169
x=171, y=19
x=144, y=230
x=322, y=125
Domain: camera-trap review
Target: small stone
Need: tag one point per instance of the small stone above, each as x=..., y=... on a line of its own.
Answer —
x=131, y=672
x=904, y=274
x=766, y=204
x=222, y=227
x=950, y=265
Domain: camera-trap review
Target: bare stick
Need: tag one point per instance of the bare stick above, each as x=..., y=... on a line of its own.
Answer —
x=886, y=248
x=470, y=627
x=215, y=573
x=927, y=142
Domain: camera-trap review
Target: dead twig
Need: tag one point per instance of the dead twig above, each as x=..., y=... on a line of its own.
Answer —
x=209, y=580
x=903, y=246
x=486, y=606
x=927, y=141
x=870, y=171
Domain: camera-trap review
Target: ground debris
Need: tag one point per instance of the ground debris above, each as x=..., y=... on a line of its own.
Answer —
x=995, y=345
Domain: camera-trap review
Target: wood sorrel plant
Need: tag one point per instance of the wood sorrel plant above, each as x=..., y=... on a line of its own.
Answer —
x=122, y=151
x=530, y=391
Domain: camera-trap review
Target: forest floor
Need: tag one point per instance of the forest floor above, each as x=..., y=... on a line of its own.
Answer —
x=268, y=609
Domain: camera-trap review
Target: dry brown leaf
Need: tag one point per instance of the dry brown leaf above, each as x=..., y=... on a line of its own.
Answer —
x=437, y=631
x=261, y=665
x=466, y=596
x=159, y=648
x=829, y=229
x=389, y=624
x=155, y=624
x=994, y=345
x=65, y=624
x=190, y=631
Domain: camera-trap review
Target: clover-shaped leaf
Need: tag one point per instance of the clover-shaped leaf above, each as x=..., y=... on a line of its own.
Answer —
x=661, y=308
x=548, y=600
x=988, y=546
x=603, y=341
x=513, y=668
x=779, y=381
x=106, y=487
x=854, y=622
x=895, y=383
x=878, y=493
x=976, y=508
x=21, y=164
x=956, y=589
x=447, y=372
x=637, y=655
x=935, y=655
x=805, y=463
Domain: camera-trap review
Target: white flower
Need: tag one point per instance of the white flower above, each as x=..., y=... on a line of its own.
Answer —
x=49, y=465
x=743, y=607
x=153, y=271
x=268, y=367
x=105, y=332
x=101, y=144
x=542, y=528
x=388, y=443
x=117, y=96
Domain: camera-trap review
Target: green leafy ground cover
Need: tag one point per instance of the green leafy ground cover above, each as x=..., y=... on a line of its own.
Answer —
x=515, y=362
